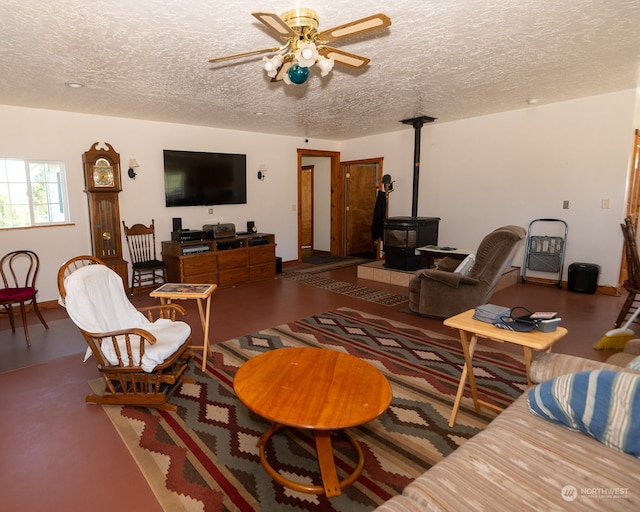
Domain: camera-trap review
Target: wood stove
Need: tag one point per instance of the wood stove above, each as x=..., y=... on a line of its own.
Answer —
x=403, y=236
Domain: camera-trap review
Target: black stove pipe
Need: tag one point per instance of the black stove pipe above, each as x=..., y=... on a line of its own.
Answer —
x=417, y=123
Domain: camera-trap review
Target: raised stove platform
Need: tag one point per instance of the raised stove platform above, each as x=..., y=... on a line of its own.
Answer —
x=376, y=271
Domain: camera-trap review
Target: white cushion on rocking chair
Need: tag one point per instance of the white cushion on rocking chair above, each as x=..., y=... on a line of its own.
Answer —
x=97, y=302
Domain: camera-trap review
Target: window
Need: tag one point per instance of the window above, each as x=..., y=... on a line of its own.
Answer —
x=32, y=193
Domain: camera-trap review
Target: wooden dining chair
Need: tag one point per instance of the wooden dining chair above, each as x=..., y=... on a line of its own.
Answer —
x=147, y=269
x=632, y=283
x=19, y=270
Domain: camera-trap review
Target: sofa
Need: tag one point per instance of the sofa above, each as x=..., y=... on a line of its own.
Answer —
x=524, y=462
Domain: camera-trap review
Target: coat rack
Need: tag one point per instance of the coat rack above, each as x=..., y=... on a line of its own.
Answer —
x=381, y=212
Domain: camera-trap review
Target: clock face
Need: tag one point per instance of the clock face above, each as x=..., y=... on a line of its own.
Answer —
x=103, y=174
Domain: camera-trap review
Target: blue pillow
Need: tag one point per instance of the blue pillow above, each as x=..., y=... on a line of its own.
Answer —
x=634, y=364
x=603, y=404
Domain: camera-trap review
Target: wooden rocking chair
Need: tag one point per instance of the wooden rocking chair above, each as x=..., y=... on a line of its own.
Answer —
x=142, y=361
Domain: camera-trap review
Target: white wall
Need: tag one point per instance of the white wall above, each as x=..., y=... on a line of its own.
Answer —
x=52, y=135
x=511, y=168
x=477, y=174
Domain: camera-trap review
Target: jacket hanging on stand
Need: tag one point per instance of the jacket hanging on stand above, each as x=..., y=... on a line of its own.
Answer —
x=379, y=213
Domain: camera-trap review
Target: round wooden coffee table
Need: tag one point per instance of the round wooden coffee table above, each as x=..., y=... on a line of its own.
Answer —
x=317, y=389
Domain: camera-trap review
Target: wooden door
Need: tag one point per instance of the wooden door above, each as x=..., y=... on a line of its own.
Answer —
x=360, y=194
x=306, y=211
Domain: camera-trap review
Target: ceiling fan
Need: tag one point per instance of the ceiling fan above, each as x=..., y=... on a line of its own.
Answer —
x=304, y=46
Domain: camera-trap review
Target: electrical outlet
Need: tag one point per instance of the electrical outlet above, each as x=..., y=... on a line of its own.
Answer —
x=565, y=204
x=210, y=211
x=605, y=204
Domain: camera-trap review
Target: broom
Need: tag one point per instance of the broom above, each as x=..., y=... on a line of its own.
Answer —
x=617, y=338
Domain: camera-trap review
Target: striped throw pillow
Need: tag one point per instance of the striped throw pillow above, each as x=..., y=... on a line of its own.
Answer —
x=603, y=404
x=634, y=364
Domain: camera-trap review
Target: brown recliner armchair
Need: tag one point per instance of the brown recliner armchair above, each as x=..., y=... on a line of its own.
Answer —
x=441, y=294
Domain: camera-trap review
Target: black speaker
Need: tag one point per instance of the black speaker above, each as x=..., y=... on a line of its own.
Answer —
x=177, y=224
x=251, y=227
x=583, y=277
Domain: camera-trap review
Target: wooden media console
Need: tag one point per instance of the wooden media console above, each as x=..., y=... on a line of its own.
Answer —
x=224, y=261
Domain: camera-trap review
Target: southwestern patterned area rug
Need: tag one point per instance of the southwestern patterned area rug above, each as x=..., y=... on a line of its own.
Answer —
x=338, y=262
x=204, y=457
x=350, y=289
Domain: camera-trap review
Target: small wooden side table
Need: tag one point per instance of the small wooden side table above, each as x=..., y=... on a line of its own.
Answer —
x=317, y=389
x=170, y=291
x=470, y=330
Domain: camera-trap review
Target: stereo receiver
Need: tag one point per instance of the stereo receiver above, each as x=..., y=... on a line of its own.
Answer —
x=195, y=249
x=219, y=230
x=258, y=240
x=187, y=235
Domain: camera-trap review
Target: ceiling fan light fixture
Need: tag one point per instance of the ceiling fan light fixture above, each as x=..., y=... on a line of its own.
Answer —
x=325, y=65
x=298, y=74
x=272, y=65
x=306, y=54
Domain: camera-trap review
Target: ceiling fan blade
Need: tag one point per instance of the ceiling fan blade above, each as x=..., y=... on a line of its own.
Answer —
x=282, y=71
x=246, y=54
x=373, y=22
x=276, y=23
x=345, y=58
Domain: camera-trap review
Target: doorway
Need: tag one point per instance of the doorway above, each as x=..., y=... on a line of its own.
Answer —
x=307, y=176
x=319, y=197
x=324, y=224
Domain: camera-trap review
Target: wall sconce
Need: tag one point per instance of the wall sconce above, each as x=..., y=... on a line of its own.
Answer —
x=262, y=171
x=133, y=164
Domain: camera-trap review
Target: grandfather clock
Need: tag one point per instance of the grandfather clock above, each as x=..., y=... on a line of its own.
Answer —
x=102, y=185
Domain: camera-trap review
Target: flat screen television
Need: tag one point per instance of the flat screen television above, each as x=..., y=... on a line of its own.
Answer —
x=193, y=178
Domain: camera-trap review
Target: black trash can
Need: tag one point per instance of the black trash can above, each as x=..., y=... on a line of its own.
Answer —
x=583, y=277
x=278, y=265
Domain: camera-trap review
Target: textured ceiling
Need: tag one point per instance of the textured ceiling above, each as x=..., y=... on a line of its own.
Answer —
x=448, y=59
